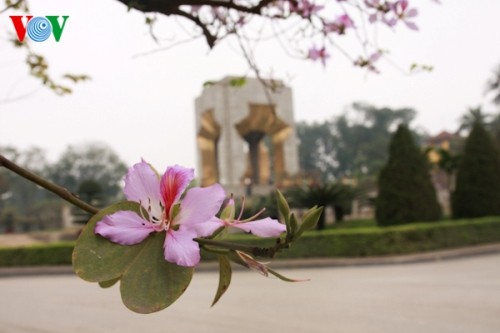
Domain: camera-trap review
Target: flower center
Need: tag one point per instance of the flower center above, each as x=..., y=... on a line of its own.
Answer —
x=157, y=214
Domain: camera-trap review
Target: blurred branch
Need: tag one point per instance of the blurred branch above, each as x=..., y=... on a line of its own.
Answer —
x=60, y=191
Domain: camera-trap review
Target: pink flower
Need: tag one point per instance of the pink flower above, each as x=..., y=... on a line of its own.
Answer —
x=318, y=54
x=403, y=13
x=266, y=227
x=340, y=24
x=163, y=211
x=370, y=62
x=304, y=8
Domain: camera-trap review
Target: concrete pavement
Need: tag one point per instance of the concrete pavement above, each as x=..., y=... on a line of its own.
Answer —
x=455, y=296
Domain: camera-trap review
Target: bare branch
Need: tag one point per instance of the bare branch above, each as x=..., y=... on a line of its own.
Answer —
x=16, y=4
x=40, y=181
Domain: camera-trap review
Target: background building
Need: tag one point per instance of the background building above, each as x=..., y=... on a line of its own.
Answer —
x=246, y=135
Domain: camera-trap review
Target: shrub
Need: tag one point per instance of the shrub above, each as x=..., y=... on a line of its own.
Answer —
x=477, y=190
x=349, y=242
x=405, y=190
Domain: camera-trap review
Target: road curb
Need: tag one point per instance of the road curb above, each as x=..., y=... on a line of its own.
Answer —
x=299, y=263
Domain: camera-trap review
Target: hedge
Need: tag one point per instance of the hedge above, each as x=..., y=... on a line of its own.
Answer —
x=350, y=242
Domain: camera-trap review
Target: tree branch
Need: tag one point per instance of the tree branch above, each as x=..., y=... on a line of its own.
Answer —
x=210, y=38
x=40, y=181
x=12, y=5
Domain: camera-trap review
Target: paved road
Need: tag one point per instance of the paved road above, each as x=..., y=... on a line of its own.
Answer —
x=453, y=296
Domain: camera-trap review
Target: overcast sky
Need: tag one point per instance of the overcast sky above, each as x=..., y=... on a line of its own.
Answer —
x=144, y=106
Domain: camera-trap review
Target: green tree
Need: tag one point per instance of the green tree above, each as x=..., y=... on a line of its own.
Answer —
x=335, y=195
x=19, y=192
x=405, y=193
x=477, y=190
x=353, y=144
x=316, y=143
x=493, y=85
x=473, y=116
x=95, y=163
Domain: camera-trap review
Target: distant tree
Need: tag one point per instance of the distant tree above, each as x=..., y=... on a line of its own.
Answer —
x=362, y=140
x=94, y=162
x=473, y=116
x=353, y=144
x=477, y=190
x=405, y=190
x=335, y=195
x=493, y=85
x=19, y=192
x=315, y=145
x=494, y=129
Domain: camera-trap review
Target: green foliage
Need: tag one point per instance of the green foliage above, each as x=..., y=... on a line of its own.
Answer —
x=353, y=144
x=477, y=190
x=493, y=86
x=394, y=240
x=474, y=116
x=225, y=273
x=344, y=242
x=406, y=193
x=37, y=255
x=95, y=162
x=148, y=283
x=335, y=195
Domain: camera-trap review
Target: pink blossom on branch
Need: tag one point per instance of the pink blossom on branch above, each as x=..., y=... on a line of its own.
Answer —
x=163, y=211
x=369, y=62
x=318, y=54
x=403, y=13
x=339, y=25
x=304, y=8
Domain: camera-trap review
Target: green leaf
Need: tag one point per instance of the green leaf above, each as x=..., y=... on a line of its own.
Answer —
x=224, y=278
x=148, y=282
x=228, y=213
x=309, y=220
x=207, y=84
x=97, y=259
x=238, y=82
x=293, y=224
x=108, y=284
x=284, y=278
x=284, y=209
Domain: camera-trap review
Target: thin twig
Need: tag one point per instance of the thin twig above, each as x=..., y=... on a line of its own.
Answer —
x=62, y=192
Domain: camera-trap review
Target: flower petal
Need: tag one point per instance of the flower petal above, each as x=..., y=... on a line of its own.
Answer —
x=142, y=184
x=208, y=228
x=200, y=204
x=266, y=227
x=173, y=183
x=124, y=227
x=180, y=248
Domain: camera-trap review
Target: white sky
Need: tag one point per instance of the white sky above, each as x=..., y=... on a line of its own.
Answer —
x=144, y=107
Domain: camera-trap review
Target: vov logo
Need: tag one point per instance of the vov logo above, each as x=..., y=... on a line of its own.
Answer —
x=38, y=28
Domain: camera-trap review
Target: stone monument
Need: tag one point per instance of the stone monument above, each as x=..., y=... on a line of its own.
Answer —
x=246, y=136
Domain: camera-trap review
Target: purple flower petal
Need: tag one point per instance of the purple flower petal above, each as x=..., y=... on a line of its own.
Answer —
x=124, y=227
x=208, y=228
x=411, y=25
x=200, y=204
x=266, y=227
x=173, y=183
x=180, y=248
x=142, y=184
x=411, y=12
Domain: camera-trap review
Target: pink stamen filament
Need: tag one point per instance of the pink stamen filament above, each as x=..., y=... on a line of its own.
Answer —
x=254, y=216
x=242, y=207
